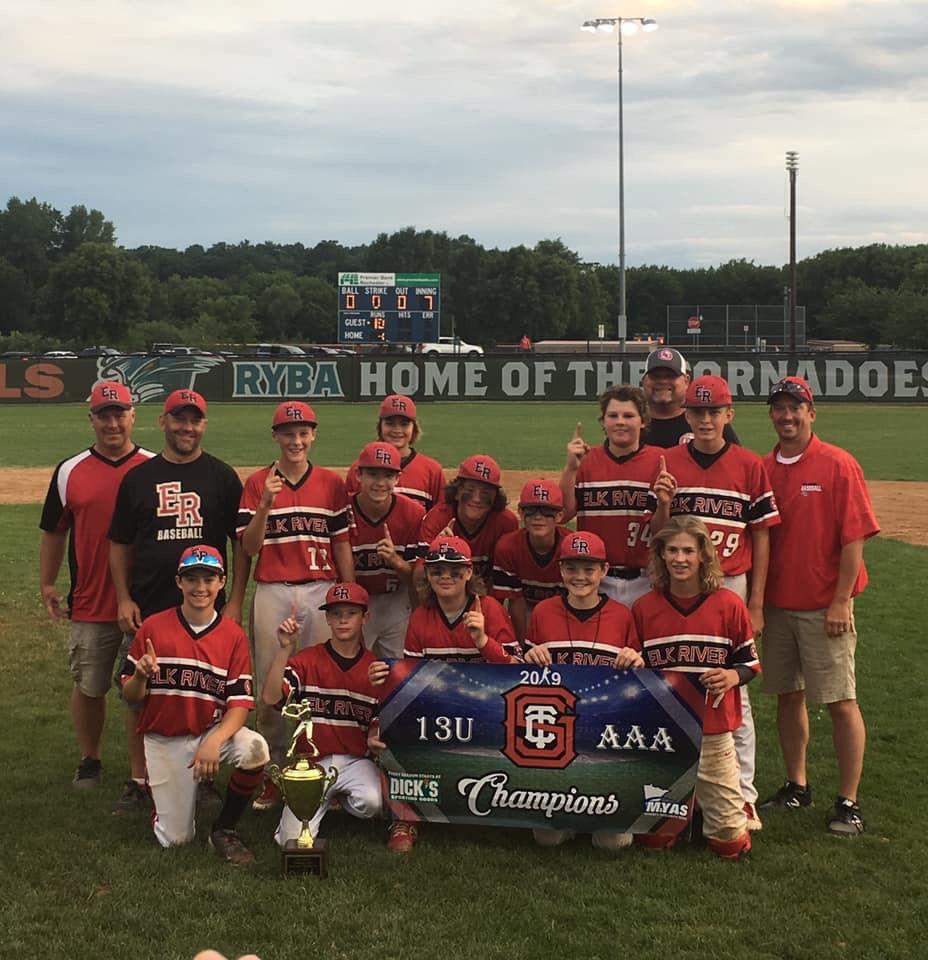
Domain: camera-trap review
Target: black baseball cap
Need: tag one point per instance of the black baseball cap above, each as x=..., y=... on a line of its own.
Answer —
x=666, y=358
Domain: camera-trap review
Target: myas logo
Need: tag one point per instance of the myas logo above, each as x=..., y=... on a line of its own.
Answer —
x=657, y=804
x=539, y=726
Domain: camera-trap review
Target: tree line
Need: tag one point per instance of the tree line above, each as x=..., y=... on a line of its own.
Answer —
x=65, y=282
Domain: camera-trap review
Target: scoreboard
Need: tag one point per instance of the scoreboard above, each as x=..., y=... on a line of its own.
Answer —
x=389, y=307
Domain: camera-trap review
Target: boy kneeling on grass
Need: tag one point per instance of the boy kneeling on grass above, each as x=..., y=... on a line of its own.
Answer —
x=583, y=628
x=190, y=667
x=686, y=622
x=333, y=676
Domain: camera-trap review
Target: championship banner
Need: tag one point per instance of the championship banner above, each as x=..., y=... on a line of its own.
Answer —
x=560, y=747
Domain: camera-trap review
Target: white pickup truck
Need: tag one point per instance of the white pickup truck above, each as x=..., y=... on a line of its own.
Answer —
x=449, y=345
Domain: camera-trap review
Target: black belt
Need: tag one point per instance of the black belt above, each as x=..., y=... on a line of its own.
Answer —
x=625, y=573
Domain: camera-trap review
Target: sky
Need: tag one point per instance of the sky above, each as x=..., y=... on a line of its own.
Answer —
x=308, y=120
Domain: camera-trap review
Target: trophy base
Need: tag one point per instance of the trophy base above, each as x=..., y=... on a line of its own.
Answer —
x=305, y=861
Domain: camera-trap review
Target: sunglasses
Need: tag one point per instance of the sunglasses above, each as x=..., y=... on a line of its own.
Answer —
x=201, y=561
x=532, y=511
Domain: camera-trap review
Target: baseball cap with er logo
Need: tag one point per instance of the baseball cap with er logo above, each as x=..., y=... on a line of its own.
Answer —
x=582, y=546
x=708, y=391
x=180, y=400
x=201, y=557
x=110, y=393
x=352, y=593
x=293, y=412
x=380, y=456
x=396, y=405
x=541, y=493
x=480, y=467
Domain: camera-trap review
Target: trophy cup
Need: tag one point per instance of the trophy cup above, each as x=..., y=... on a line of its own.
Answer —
x=303, y=785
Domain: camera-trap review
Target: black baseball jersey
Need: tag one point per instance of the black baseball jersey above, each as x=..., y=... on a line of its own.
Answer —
x=670, y=433
x=161, y=509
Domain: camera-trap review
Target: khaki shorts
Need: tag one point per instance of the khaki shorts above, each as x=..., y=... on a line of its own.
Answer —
x=797, y=655
x=124, y=647
x=92, y=651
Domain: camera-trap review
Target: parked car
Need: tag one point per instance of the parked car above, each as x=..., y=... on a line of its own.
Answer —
x=59, y=355
x=98, y=352
x=16, y=355
x=449, y=345
x=278, y=350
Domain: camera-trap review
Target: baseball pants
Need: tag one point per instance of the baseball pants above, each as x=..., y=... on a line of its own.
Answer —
x=745, y=736
x=625, y=592
x=173, y=789
x=718, y=789
x=385, y=631
x=357, y=787
x=272, y=604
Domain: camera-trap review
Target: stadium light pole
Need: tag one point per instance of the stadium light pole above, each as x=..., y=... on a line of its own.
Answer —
x=792, y=168
x=628, y=26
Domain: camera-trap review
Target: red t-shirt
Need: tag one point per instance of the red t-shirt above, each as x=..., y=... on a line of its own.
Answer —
x=80, y=498
x=588, y=638
x=824, y=504
x=404, y=520
x=614, y=500
x=716, y=632
x=304, y=521
x=432, y=636
x=520, y=572
x=200, y=675
x=730, y=495
x=342, y=698
x=482, y=542
x=421, y=479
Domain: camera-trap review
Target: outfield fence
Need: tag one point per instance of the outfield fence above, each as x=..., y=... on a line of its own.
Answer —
x=872, y=377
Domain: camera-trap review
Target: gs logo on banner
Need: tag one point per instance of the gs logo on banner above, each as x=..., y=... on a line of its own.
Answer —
x=539, y=726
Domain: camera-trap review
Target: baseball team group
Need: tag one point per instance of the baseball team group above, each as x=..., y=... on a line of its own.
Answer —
x=687, y=550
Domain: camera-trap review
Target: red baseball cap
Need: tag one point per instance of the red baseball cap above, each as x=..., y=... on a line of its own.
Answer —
x=795, y=387
x=541, y=493
x=396, y=405
x=180, y=399
x=294, y=411
x=448, y=550
x=346, y=593
x=201, y=557
x=110, y=393
x=380, y=456
x=582, y=545
x=708, y=391
x=480, y=467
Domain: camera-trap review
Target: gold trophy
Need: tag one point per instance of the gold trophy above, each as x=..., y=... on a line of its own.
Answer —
x=303, y=785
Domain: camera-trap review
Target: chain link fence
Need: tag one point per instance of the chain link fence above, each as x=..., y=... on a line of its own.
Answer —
x=753, y=327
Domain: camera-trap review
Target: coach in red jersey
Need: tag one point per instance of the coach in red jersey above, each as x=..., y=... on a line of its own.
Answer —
x=79, y=503
x=816, y=570
x=421, y=478
x=385, y=544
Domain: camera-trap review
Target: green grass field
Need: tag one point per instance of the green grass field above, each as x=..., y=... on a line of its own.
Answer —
x=79, y=883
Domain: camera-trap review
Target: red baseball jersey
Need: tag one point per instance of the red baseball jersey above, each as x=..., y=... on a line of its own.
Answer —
x=342, y=698
x=825, y=504
x=730, y=495
x=520, y=572
x=200, y=675
x=432, y=636
x=614, y=500
x=700, y=634
x=80, y=499
x=585, y=638
x=404, y=519
x=421, y=479
x=305, y=519
x=482, y=542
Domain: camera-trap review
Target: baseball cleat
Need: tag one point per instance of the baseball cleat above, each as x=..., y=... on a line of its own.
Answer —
x=88, y=774
x=845, y=820
x=402, y=837
x=268, y=798
x=790, y=796
x=229, y=845
x=135, y=798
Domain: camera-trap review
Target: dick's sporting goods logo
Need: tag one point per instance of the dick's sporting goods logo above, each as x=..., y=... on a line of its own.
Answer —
x=414, y=787
x=539, y=726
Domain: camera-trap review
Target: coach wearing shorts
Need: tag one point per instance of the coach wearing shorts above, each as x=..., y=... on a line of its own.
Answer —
x=79, y=502
x=816, y=569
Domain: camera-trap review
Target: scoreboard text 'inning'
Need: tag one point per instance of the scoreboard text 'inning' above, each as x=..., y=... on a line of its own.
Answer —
x=389, y=307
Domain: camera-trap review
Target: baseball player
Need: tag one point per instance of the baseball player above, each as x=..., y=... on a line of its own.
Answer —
x=583, y=627
x=726, y=487
x=190, y=670
x=294, y=519
x=455, y=624
x=688, y=623
x=79, y=504
x=525, y=564
x=385, y=543
x=181, y=496
x=333, y=677
x=609, y=489
x=474, y=509
x=664, y=383
x=421, y=478
x=816, y=570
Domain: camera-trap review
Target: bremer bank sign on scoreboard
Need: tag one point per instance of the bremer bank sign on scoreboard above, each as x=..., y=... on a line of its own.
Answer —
x=389, y=307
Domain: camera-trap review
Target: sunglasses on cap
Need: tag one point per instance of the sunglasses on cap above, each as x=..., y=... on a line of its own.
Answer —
x=446, y=555
x=200, y=561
